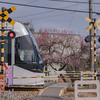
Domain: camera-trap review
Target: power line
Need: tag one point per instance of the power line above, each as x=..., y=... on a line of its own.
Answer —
x=33, y=14
x=42, y=12
x=73, y=1
x=47, y=7
x=50, y=16
x=69, y=1
x=30, y=2
x=71, y=19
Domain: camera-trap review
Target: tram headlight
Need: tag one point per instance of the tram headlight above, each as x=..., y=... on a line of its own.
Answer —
x=11, y=34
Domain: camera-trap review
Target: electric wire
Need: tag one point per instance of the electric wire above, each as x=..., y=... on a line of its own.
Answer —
x=71, y=19
x=43, y=12
x=73, y=1
x=50, y=16
x=29, y=2
x=48, y=7
x=69, y=1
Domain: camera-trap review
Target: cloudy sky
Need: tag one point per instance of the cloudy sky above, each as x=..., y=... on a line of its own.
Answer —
x=50, y=18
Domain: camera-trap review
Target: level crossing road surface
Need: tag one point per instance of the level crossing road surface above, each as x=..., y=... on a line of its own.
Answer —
x=52, y=92
x=61, y=85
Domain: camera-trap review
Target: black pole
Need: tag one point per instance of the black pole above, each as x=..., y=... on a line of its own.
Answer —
x=95, y=66
x=2, y=40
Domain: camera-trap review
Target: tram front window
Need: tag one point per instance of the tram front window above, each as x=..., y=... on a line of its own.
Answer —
x=25, y=51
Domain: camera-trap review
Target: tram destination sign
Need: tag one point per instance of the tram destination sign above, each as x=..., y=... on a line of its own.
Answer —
x=3, y=15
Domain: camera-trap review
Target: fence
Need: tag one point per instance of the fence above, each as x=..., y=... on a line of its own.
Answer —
x=86, y=91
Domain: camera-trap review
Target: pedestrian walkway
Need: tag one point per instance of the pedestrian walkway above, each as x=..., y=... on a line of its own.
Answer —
x=52, y=92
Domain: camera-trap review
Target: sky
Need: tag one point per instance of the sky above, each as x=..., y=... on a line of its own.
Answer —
x=50, y=18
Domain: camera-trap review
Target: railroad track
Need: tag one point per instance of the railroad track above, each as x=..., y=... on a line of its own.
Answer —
x=28, y=87
x=24, y=88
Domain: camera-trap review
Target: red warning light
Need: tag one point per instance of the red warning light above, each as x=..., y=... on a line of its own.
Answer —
x=11, y=34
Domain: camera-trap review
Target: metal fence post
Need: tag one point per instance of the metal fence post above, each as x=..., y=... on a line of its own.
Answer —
x=12, y=94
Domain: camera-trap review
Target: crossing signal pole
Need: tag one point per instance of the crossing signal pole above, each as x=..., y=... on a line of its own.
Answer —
x=2, y=41
x=95, y=66
x=3, y=18
x=93, y=24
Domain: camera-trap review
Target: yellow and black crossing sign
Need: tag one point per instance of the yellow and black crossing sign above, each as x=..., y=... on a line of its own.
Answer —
x=92, y=23
x=3, y=15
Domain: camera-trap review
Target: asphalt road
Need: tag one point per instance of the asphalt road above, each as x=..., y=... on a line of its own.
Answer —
x=48, y=98
x=51, y=93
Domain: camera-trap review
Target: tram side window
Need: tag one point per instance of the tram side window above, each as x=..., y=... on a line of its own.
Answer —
x=24, y=51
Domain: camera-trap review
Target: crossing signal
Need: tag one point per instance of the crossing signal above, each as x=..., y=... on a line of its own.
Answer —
x=99, y=39
x=87, y=39
x=11, y=34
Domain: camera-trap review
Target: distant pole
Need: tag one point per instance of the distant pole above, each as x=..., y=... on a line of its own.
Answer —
x=91, y=39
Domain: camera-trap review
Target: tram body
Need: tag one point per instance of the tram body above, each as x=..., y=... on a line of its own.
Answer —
x=22, y=58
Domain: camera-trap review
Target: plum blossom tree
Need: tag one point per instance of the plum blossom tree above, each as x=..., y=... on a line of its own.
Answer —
x=63, y=50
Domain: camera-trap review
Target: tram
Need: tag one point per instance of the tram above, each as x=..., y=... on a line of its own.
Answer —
x=21, y=55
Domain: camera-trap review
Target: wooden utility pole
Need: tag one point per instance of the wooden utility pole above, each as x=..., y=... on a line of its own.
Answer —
x=91, y=39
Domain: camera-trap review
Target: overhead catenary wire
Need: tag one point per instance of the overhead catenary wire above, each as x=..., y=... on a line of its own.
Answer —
x=69, y=1
x=30, y=2
x=74, y=1
x=43, y=13
x=47, y=16
x=71, y=19
x=47, y=7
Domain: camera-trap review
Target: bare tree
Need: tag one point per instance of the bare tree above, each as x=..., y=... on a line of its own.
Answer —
x=63, y=51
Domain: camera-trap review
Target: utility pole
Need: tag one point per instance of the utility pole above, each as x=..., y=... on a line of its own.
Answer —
x=91, y=39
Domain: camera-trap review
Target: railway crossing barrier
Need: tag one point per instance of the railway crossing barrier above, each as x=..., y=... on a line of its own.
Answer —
x=87, y=78
x=70, y=75
x=67, y=71
x=51, y=78
x=78, y=90
x=67, y=75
